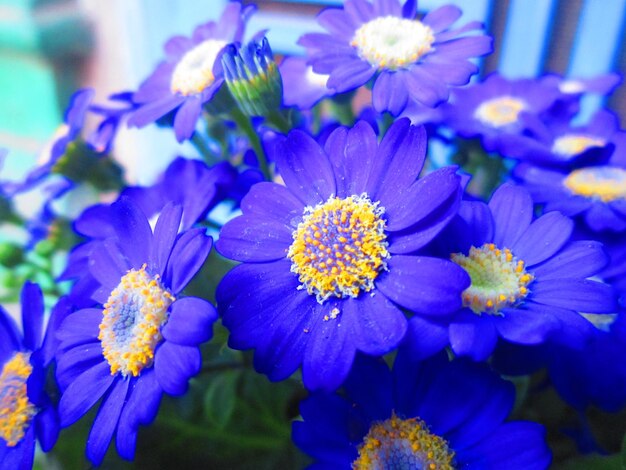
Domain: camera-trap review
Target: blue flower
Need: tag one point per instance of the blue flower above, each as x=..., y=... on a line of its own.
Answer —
x=190, y=184
x=595, y=194
x=529, y=279
x=328, y=259
x=191, y=75
x=556, y=143
x=434, y=414
x=497, y=108
x=26, y=412
x=412, y=59
x=143, y=339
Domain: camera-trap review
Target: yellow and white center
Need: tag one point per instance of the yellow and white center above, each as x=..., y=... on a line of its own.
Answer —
x=390, y=42
x=340, y=247
x=499, y=112
x=16, y=411
x=499, y=279
x=572, y=144
x=403, y=444
x=132, y=320
x=606, y=183
x=194, y=71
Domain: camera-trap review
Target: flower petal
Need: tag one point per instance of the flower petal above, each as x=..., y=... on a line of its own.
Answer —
x=190, y=322
x=512, y=210
x=174, y=365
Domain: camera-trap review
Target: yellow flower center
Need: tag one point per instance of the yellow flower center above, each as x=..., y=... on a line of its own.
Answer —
x=499, y=279
x=340, y=247
x=499, y=112
x=390, y=42
x=403, y=444
x=573, y=144
x=606, y=183
x=132, y=319
x=194, y=71
x=16, y=411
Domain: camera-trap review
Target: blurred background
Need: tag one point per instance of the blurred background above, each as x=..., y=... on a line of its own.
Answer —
x=48, y=48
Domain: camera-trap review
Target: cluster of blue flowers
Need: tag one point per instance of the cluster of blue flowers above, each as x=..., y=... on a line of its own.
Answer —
x=413, y=297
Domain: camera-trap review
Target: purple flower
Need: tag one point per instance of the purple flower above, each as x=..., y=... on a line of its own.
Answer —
x=191, y=74
x=556, y=143
x=328, y=259
x=595, y=194
x=421, y=415
x=143, y=338
x=26, y=412
x=497, y=108
x=411, y=59
x=529, y=280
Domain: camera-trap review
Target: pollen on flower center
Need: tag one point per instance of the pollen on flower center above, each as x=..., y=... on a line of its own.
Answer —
x=403, y=443
x=606, y=183
x=340, y=247
x=498, y=278
x=16, y=411
x=390, y=42
x=132, y=319
x=573, y=144
x=499, y=112
x=194, y=71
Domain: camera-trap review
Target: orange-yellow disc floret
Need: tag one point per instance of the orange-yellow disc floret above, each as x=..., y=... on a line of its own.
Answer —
x=403, y=443
x=498, y=278
x=132, y=320
x=340, y=247
x=16, y=411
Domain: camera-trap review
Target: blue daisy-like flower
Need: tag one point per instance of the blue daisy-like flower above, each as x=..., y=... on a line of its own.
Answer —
x=191, y=74
x=26, y=412
x=596, y=194
x=529, y=280
x=496, y=108
x=144, y=338
x=412, y=59
x=328, y=259
x=432, y=414
x=557, y=143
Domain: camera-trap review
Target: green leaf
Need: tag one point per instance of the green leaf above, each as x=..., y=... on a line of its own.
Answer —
x=595, y=462
x=220, y=398
x=623, y=453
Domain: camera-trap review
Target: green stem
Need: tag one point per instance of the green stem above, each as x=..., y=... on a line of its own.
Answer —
x=203, y=149
x=279, y=120
x=243, y=122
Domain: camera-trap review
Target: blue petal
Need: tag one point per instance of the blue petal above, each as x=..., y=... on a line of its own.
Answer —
x=473, y=336
x=32, y=315
x=512, y=210
x=543, y=238
x=580, y=259
x=106, y=421
x=515, y=446
x=575, y=294
x=305, y=168
x=165, y=233
x=174, y=365
x=428, y=286
x=254, y=239
x=529, y=325
x=188, y=256
x=134, y=234
x=190, y=322
x=84, y=392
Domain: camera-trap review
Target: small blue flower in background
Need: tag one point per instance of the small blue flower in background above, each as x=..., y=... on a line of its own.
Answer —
x=595, y=194
x=26, y=412
x=558, y=143
x=496, y=109
x=191, y=74
x=144, y=339
x=410, y=59
x=327, y=257
x=433, y=414
x=529, y=280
